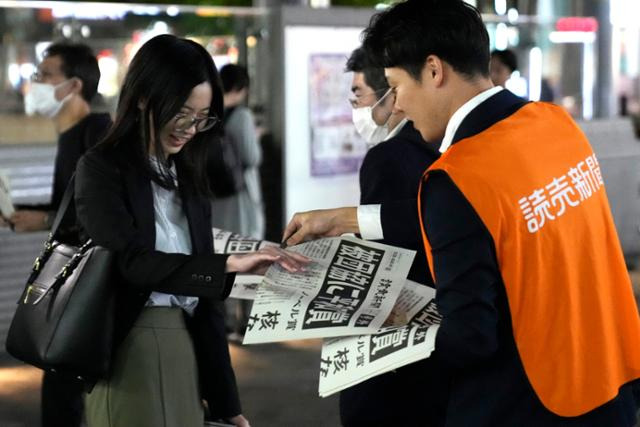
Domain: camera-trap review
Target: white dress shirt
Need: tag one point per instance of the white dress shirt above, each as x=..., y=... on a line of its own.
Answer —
x=369, y=220
x=396, y=130
x=172, y=236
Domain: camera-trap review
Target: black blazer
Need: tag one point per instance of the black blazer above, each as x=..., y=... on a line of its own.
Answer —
x=389, y=175
x=114, y=203
x=414, y=395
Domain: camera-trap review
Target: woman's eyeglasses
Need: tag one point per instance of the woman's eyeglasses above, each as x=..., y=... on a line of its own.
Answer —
x=182, y=122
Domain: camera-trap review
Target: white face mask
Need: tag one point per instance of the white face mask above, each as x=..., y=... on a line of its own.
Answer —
x=367, y=127
x=41, y=99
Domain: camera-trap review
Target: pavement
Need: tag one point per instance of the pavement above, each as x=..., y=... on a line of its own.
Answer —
x=278, y=387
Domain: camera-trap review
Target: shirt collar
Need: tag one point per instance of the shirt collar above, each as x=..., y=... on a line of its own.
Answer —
x=457, y=117
x=156, y=166
x=396, y=130
x=155, y=163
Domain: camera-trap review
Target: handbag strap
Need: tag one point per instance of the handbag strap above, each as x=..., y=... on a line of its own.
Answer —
x=49, y=243
x=67, y=198
x=66, y=271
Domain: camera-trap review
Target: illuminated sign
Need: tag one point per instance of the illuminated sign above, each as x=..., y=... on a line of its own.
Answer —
x=585, y=24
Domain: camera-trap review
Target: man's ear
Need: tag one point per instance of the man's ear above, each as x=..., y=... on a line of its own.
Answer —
x=433, y=70
x=76, y=85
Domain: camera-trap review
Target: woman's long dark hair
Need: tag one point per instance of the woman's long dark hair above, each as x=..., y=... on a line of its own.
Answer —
x=159, y=80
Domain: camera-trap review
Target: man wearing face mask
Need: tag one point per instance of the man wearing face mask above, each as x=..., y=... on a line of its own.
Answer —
x=397, y=157
x=65, y=83
x=390, y=172
x=372, y=104
x=62, y=89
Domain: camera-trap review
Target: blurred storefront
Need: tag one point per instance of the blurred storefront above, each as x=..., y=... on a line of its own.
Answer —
x=581, y=54
x=115, y=31
x=558, y=45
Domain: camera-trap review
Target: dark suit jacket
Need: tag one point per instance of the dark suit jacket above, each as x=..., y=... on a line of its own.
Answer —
x=390, y=173
x=413, y=395
x=72, y=144
x=114, y=202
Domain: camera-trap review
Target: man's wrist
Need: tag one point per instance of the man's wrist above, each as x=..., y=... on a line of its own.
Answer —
x=348, y=220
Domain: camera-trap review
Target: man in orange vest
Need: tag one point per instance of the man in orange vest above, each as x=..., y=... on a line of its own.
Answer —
x=540, y=327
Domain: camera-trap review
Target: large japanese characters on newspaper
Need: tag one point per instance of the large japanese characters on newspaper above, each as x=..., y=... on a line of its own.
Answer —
x=408, y=336
x=227, y=242
x=349, y=288
x=6, y=206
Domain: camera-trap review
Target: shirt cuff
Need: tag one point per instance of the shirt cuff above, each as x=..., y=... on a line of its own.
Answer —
x=369, y=222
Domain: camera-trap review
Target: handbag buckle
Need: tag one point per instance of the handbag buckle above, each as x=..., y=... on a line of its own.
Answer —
x=33, y=291
x=26, y=294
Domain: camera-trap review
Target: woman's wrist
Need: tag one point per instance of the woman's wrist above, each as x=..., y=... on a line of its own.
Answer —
x=231, y=264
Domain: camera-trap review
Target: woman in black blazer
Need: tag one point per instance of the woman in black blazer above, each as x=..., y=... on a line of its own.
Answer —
x=143, y=194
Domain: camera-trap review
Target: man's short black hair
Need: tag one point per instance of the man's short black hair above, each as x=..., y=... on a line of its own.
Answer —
x=407, y=33
x=507, y=57
x=373, y=75
x=234, y=77
x=78, y=61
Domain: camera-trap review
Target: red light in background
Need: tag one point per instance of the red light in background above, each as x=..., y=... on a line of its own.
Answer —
x=45, y=15
x=105, y=53
x=585, y=24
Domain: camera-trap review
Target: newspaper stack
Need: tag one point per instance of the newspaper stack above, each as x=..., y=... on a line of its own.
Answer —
x=408, y=338
x=349, y=288
x=6, y=206
x=353, y=292
x=227, y=242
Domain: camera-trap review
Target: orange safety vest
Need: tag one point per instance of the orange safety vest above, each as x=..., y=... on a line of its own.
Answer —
x=535, y=183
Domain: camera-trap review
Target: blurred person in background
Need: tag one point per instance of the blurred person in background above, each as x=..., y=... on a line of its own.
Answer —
x=62, y=89
x=243, y=212
x=390, y=173
x=501, y=66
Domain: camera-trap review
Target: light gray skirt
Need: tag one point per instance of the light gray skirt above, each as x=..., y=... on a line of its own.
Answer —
x=154, y=378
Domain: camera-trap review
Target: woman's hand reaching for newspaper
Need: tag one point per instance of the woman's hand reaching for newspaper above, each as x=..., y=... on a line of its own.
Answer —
x=258, y=262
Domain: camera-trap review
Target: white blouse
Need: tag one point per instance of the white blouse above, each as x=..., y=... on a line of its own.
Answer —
x=172, y=236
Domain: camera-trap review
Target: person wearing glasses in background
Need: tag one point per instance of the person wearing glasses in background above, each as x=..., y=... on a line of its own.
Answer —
x=143, y=194
x=390, y=174
x=62, y=89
